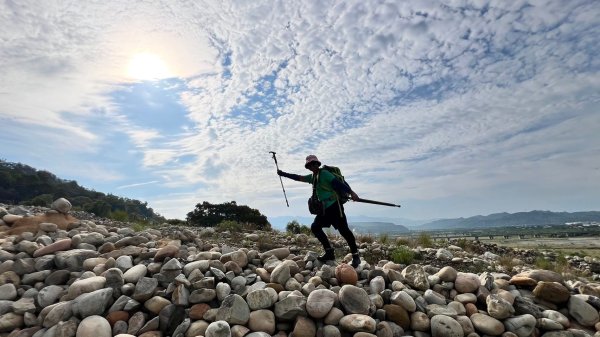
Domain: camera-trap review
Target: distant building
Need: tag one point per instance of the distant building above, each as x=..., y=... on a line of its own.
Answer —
x=576, y=223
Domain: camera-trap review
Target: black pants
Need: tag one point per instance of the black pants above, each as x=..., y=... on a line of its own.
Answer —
x=333, y=215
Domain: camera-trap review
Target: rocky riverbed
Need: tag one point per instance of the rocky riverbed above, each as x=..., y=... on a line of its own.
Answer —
x=96, y=277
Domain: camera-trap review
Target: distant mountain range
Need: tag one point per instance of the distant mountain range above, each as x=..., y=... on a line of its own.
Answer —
x=279, y=222
x=513, y=219
x=377, y=227
x=365, y=224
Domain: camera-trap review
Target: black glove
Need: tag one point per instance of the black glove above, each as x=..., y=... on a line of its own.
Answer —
x=280, y=172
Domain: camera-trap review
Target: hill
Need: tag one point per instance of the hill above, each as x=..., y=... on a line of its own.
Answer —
x=512, y=219
x=377, y=228
x=279, y=222
x=23, y=184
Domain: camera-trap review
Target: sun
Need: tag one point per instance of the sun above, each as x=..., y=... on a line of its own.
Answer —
x=147, y=67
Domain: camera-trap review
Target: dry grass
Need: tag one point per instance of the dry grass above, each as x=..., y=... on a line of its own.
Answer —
x=402, y=241
x=365, y=238
x=507, y=262
x=425, y=240
x=331, y=234
x=264, y=243
x=466, y=245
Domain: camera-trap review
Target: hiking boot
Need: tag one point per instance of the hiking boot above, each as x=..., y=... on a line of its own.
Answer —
x=328, y=256
x=355, y=260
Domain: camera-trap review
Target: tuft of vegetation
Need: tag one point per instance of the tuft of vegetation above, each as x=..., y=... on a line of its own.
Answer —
x=507, y=262
x=373, y=256
x=384, y=238
x=557, y=263
x=229, y=225
x=294, y=227
x=465, y=244
x=42, y=200
x=177, y=222
x=424, y=240
x=403, y=255
x=139, y=226
x=365, y=238
x=401, y=241
x=119, y=215
x=561, y=260
x=264, y=243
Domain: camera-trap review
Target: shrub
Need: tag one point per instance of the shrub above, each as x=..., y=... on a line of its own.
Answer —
x=561, y=264
x=229, y=225
x=365, y=238
x=373, y=256
x=263, y=227
x=264, y=243
x=139, y=226
x=465, y=244
x=177, y=222
x=425, y=240
x=119, y=215
x=400, y=241
x=43, y=200
x=384, y=238
x=543, y=263
x=294, y=227
x=561, y=260
x=403, y=255
x=507, y=262
x=461, y=242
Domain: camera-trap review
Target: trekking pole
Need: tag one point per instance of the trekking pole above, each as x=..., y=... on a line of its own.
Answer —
x=367, y=201
x=277, y=166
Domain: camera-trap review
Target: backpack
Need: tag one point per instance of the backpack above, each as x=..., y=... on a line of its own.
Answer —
x=342, y=197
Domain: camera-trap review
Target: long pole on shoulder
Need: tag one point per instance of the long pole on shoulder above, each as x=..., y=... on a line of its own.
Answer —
x=277, y=166
x=367, y=201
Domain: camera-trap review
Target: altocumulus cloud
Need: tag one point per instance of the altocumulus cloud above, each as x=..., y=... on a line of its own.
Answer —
x=456, y=107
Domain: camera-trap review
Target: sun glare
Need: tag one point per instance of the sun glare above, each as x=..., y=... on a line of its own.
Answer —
x=147, y=67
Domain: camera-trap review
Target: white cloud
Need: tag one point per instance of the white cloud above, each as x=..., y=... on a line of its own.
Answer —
x=138, y=184
x=62, y=57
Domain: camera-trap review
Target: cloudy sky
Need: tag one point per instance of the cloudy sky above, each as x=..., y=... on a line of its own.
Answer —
x=450, y=108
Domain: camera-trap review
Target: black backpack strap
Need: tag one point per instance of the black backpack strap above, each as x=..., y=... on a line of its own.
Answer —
x=315, y=180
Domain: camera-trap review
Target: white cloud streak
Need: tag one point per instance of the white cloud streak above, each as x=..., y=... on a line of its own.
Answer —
x=137, y=184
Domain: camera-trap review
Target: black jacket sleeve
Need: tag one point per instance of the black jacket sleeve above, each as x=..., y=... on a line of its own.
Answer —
x=290, y=175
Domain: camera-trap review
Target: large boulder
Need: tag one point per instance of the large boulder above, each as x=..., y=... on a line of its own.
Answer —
x=61, y=205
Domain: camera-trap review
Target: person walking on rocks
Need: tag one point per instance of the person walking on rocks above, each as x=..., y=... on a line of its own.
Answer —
x=325, y=186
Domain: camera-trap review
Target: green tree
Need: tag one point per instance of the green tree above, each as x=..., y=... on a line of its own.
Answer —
x=206, y=214
x=294, y=227
x=100, y=208
x=43, y=200
x=20, y=183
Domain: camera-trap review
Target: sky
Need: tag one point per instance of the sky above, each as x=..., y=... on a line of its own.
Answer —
x=450, y=108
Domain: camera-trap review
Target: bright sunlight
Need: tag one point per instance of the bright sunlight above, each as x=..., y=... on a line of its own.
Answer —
x=146, y=67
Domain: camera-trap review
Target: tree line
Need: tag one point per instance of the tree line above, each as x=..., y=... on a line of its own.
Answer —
x=206, y=214
x=23, y=184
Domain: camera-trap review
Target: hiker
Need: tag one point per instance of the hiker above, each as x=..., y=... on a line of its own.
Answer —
x=325, y=186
